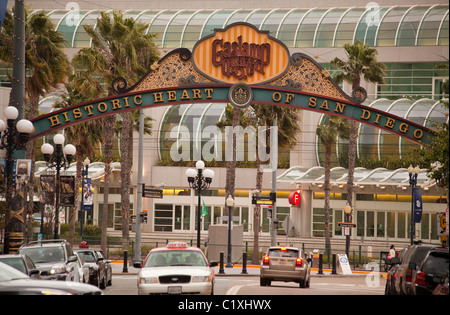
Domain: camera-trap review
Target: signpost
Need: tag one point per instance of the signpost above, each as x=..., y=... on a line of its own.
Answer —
x=345, y=265
x=151, y=192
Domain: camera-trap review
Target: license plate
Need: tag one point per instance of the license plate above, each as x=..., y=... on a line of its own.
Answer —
x=174, y=290
x=282, y=262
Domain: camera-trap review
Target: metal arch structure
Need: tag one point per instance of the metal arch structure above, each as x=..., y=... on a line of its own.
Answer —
x=179, y=79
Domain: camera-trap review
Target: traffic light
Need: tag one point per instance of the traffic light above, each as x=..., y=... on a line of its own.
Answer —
x=143, y=216
x=269, y=212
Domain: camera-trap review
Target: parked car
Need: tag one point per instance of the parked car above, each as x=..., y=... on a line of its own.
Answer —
x=401, y=281
x=83, y=268
x=176, y=269
x=285, y=264
x=14, y=282
x=392, y=275
x=54, y=259
x=432, y=271
x=22, y=263
x=108, y=268
x=97, y=267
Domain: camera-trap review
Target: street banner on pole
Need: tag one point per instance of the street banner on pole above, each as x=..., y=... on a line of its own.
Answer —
x=88, y=194
x=3, y=4
x=417, y=200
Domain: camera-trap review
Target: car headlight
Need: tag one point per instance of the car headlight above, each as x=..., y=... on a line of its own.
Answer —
x=201, y=279
x=148, y=280
x=57, y=269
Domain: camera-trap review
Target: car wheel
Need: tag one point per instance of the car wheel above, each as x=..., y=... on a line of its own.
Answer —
x=264, y=282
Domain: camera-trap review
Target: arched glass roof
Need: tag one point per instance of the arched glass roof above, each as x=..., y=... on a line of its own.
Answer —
x=419, y=25
x=377, y=143
x=362, y=176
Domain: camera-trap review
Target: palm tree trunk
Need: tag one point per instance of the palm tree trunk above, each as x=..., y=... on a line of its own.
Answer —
x=108, y=132
x=327, y=194
x=231, y=165
x=125, y=175
x=257, y=214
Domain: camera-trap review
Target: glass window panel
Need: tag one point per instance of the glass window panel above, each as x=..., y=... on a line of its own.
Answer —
x=346, y=28
x=147, y=18
x=428, y=31
x=256, y=18
x=373, y=26
x=308, y=27
x=360, y=223
x=338, y=217
x=363, y=24
x=187, y=218
x=170, y=123
x=401, y=228
x=67, y=27
x=82, y=39
x=390, y=224
x=273, y=21
x=325, y=32
x=444, y=34
x=388, y=27
x=216, y=21
x=159, y=25
x=408, y=29
x=425, y=226
x=381, y=227
x=178, y=217
x=370, y=223
x=194, y=29
x=239, y=16
x=175, y=30
x=289, y=27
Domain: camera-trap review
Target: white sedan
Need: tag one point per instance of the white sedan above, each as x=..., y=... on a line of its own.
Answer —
x=176, y=269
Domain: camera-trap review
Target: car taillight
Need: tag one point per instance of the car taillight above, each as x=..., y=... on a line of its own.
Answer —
x=420, y=278
x=266, y=260
x=408, y=275
x=299, y=262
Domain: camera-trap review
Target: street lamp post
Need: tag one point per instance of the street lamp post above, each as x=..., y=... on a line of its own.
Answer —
x=58, y=159
x=348, y=212
x=84, y=174
x=13, y=136
x=199, y=180
x=230, y=205
x=413, y=173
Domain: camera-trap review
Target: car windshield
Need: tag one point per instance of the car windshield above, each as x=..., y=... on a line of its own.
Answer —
x=15, y=263
x=175, y=258
x=41, y=255
x=88, y=256
x=283, y=252
x=8, y=273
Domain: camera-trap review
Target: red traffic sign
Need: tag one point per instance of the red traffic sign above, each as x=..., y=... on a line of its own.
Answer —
x=294, y=198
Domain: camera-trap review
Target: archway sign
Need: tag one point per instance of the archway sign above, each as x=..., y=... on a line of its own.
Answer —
x=240, y=65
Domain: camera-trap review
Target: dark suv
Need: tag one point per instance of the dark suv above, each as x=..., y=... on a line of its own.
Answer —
x=53, y=258
x=432, y=271
x=405, y=272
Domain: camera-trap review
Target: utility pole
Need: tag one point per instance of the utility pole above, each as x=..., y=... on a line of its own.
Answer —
x=274, y=151
x=137, y=256
x=17, y=96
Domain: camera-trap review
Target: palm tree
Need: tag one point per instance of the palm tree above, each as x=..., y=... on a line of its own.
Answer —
x=361, y=63
x=256, y=116
x=45, y=61
x=120, y=48
x=328, y=134
x=84, y=136
x=288, y=121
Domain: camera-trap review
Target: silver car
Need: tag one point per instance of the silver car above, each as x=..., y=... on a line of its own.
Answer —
x=176, y=269
x=285, y=264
